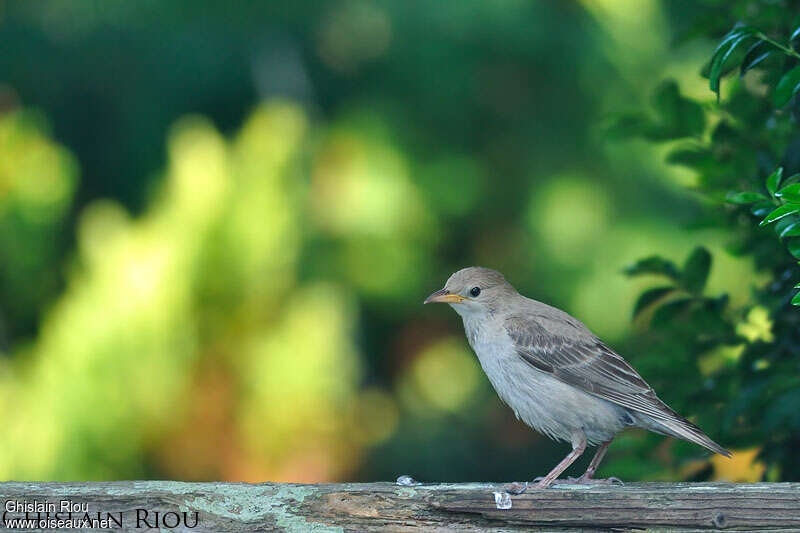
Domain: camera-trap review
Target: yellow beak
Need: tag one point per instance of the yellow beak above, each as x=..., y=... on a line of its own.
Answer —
x=443, y=296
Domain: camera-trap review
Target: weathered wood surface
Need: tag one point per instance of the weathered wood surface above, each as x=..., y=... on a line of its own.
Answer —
x=238, y=507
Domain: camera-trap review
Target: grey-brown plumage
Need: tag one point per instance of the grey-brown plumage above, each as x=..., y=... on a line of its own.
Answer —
x=556, y=375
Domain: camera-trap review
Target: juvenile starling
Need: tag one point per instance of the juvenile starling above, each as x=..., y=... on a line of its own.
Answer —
x=556, y=375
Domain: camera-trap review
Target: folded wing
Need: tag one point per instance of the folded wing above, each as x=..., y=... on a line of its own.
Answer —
x=583, y=361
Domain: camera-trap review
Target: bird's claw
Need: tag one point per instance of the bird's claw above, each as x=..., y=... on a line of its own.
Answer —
x=583, y=480
x=516, y=488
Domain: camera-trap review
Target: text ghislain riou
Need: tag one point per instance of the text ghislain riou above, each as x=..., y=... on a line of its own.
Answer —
x=35, y=506
x=45, y=514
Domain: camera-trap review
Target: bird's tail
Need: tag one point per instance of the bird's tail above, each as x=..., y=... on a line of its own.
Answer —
x=675, y=425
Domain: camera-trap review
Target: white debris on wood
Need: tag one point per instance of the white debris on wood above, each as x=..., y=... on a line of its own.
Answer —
x=502, y=500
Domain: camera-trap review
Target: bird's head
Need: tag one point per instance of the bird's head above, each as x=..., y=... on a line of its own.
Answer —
x=473, y=290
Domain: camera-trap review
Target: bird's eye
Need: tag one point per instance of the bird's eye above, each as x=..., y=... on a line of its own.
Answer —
x=475, y=291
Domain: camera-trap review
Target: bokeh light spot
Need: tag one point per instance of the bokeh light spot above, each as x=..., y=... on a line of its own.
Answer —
x=757, y=326
x=446, y=375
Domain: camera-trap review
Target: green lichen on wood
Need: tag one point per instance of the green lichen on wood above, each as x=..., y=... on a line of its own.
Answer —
x=468, y=507
x=284, y=514
x=261, y=504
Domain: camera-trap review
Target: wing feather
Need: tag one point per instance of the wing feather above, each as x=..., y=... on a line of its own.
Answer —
x=583, y=361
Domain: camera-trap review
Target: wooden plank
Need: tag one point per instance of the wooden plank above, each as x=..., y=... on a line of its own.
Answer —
x=235, y=507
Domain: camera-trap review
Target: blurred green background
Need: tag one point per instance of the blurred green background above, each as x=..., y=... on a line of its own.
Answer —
x=218, y=223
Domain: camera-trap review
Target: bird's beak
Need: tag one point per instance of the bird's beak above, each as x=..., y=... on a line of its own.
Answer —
x=443, y=296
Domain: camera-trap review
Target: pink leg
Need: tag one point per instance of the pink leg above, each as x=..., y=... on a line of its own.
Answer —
x=587, y=477
x=598, y=456
x=578, y=447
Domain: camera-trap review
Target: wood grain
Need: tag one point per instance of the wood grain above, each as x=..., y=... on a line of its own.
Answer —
x=237, y=507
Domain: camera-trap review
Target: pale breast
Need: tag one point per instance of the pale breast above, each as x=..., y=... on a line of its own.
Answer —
x=543, y=402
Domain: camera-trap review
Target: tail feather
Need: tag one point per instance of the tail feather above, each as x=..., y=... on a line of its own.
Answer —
x=675, y=425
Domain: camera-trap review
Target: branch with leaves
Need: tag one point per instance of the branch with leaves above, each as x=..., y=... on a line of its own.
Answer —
x=781, y=208
x=761, y=48
x=686, y=287
x=745, y=152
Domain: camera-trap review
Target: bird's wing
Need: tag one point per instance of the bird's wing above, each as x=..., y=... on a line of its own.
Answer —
x=583, y=361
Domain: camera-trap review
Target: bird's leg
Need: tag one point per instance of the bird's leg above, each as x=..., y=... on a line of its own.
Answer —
x=578, y=447
x=598, y=456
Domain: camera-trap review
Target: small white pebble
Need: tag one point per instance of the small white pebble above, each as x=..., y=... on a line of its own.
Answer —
x=407, y=481
x=503, y=500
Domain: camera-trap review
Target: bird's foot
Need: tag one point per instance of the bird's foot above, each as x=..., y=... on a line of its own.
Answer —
x=586, y=480
x=516, y=488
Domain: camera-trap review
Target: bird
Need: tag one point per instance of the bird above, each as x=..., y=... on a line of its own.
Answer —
x=556, y=375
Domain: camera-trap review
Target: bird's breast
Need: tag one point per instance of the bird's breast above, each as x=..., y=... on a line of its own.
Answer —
x=496, y=352
x=545, y=403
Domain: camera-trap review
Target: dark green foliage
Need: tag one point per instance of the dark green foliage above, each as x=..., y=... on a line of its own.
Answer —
x=787, y=87
x=688, y=284
x=653, y=265
x=750, y=162
x=783, y=209
x=774, y=180
x=695, y=272
x=762, y=47
x=649, y=297
x=756, y=54
x=790, y=193
x=779, y=213
x=737, y=36
x=743, y=198
x=675, y=117
x=794, y=247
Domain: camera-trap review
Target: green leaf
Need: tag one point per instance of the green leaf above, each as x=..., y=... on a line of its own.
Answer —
x=762, y=209
x=718, y=304
x=788, y=85
x=796, y=299
x=792, y=230
x=696, y=270
x=729, y=43
x=735, y=32
x=756, y=54
x=790, y=193
x=677, y=116
x=627, y=126
x=649, y=297
x=670, y=310
x=774, y=179
x=783, y=211
x=794, y=178
x=724, y=134
x=794, y=247
x=653, y=265
x=795, y=35
x=783, y=224
x=743, y=198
